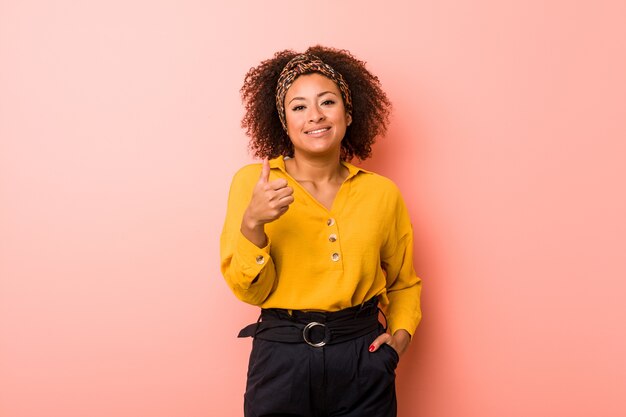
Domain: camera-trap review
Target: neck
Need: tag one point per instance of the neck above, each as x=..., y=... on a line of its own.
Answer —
x=316, y=169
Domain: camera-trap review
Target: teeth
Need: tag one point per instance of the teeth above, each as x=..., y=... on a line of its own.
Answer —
x=318, y=131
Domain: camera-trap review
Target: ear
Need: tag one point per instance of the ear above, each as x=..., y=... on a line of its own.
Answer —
x=348, y=119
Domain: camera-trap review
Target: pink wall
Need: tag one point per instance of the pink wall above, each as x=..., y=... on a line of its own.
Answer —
x=119, y=128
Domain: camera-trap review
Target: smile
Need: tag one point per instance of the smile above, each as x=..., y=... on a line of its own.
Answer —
x=317, y=131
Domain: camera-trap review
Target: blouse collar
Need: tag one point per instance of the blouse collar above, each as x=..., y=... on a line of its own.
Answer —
x=353, y=170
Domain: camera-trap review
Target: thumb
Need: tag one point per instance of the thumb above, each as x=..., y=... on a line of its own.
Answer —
x=265, y=171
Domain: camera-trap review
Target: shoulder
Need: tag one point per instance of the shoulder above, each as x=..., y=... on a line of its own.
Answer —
x=381, y=190
x=248, y=171
x=377, y=182
x=369, y=178
x=246, y=177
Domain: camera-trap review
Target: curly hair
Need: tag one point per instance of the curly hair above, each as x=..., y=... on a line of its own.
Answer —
x=370, y=106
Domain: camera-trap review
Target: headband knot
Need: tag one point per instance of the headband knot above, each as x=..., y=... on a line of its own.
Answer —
x=306, y=64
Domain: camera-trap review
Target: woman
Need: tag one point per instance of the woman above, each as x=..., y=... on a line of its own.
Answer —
x=318, y=243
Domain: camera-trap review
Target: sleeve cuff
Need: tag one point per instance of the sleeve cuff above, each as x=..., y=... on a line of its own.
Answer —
x=251, y=258
x=406, y=325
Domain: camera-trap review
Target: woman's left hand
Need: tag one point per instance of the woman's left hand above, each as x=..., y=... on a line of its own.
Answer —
x=399, y=341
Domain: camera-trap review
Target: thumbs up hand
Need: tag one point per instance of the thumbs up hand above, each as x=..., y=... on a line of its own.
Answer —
x=270, y=200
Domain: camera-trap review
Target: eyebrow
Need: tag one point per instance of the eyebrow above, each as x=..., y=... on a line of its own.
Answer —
x=319, y=95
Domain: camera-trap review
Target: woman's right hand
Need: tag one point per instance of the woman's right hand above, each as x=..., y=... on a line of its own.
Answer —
x=270, y=200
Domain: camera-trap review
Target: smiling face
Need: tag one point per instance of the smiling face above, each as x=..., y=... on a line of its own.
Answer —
x=316, y=116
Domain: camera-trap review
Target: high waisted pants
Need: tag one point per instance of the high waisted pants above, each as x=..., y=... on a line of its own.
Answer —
x=344, y=379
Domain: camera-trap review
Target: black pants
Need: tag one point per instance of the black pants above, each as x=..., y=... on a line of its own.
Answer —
x=344, y=379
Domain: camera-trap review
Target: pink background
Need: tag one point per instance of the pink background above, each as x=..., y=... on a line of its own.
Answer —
x=119, y=127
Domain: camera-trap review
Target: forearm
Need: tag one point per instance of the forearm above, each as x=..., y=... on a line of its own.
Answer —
x=253, y=230
x=400, y=341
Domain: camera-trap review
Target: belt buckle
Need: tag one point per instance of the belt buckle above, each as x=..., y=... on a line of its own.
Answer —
x=306, y=330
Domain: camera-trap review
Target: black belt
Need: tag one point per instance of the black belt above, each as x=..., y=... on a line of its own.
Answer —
x=315, y=328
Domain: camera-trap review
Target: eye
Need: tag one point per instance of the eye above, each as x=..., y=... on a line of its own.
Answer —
x=297, y=108
x=328, y=102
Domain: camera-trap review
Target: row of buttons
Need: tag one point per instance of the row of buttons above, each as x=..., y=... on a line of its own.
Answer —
x=261, y=259
x=332, y=238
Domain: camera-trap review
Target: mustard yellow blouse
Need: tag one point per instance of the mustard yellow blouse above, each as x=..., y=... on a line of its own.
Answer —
x=320, y=259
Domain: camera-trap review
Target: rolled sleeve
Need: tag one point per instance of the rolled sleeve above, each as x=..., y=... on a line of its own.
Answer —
x=248, y=270
x=404, y=287
x=251, y=260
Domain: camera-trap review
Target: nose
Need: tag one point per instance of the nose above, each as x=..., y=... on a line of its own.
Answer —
x=315, y=114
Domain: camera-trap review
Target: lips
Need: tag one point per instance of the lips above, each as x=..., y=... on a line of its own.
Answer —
x=317, y=131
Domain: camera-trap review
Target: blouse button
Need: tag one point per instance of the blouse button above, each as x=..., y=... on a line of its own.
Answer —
x=332, y=238
x=260, y=259
x=334, y=257
x=330, y=222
